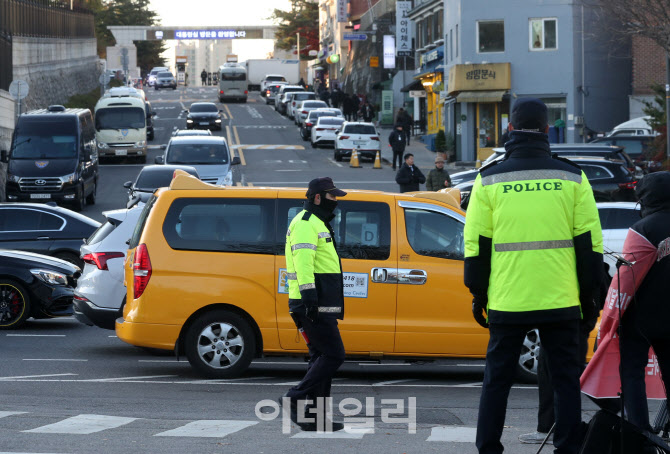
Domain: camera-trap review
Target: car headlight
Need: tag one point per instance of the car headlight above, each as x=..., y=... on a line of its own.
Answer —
x=71, y=178
x=218, y=120
x=102, y=145
x=228, y=179
x=188, y=120
x=13, y=178
x=140, y=144
x=49, y=277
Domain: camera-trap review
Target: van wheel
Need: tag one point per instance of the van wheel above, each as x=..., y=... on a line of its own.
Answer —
x=530, y=356
x=142, y=159
x=338, y=156
x=79, y=202
x=91, y=197
x=220, y=344
x=14, y=304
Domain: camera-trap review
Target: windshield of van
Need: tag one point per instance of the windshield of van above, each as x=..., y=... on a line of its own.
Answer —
x=45, y=138
x=197, y=153
x=237, y=75
x=119, y=118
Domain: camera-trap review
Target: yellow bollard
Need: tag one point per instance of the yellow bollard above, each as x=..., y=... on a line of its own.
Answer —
x=354, y=162
x=378, y=161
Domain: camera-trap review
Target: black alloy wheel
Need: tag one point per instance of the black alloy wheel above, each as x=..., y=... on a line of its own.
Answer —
x=14, y=304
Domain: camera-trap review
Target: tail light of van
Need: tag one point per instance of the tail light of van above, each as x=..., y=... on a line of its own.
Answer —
x=308, y=124
x=304, y=112
x=221, y=92
x=246, y=92
x=628, y=185
x=141, y=270
x=293, y=103
x=320, y=129
x=343, y=137
x=99, y=259
x=375, y=138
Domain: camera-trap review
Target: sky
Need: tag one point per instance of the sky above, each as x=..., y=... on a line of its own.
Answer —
x=206, y=13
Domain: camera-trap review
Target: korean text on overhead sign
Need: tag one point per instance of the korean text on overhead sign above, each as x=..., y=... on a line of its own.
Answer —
x=342, y=11
x=209, y=34
x=403, y=29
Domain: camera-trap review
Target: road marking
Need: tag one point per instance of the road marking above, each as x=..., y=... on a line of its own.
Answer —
x=288, y=383
x=462, y=365
x=289, y=170
x=55, y=359
x=253, y=112
x=476, y=384
x=209, y=429
x=269, y=147
x=336, y=163
x=83, y=425
x=229, y=138
x=230, y=115
x=262, y=126
x=36, y=335
x=127, y=378
x=351, y=433
x=237, y=136
x=4, y=414
x=392, y=382
x=113, y=336
x=453, y=434
x=35, y=376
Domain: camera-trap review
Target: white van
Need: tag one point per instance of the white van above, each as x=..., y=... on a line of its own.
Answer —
x=233, y=83
x=635, y=127
x=121, y=127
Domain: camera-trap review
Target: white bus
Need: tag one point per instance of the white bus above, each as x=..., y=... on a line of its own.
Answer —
x=232, y=83
x=121, y=128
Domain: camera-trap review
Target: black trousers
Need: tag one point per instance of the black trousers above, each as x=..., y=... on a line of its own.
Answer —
x=560, y=342
x=397, y=155
x=545, y=412
x=634, y=356
x=326, y=352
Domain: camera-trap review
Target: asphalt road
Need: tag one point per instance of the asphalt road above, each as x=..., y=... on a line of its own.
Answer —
x=70, y=388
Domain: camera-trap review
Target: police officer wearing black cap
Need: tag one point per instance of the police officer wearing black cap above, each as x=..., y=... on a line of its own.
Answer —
x=316, y=302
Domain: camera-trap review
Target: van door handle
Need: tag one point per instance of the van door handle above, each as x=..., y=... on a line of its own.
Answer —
x=43, y=238
x=379, y=274
x=412, y=277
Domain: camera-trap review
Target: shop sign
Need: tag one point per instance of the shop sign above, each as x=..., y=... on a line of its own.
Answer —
x=389, y=52
x=403, y=27
x=486, y=76
x=342, y=11
x=374, y=62
x=417, y=93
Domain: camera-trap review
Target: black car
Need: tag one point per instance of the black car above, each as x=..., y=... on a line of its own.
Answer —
x=153, y=177
x=637, y=147
x=150, y=122
x=34, y=285
x=44, y=229
x=203, y=115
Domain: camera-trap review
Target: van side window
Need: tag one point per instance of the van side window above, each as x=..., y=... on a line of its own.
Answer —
x=221, y=225
x=434, y=234
x=362, y=229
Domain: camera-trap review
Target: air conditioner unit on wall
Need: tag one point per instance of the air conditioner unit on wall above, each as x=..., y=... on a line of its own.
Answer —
x=579, y=120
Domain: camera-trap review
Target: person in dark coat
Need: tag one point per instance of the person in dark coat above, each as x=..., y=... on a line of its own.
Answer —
x=403, y=119
x=355, y=105
x=336, y=97
x=347, y=106
x=324, y=96
x=409, y=177
x=645, y=322
x=367, y=111
x=438, y=178
x=203, y=76
x=397, y=143
x=302, y=83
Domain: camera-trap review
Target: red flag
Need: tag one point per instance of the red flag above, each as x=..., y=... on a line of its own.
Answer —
x=601, y=377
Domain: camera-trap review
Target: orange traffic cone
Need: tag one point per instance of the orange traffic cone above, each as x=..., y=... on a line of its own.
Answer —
x=378, y=161
x=354, y=162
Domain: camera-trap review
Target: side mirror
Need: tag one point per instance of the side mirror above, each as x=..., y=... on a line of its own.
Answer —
x=159, y=160
x=185, y=111
x=236, y=161
x=220, y=110
x=3, y=156
x=163, y=147
x=127, y=184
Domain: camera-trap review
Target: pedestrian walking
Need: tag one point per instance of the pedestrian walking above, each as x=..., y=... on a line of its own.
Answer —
x=347, y=106
x=324, y=96
x=203, y=76
x=355, y=106
x=397, y=144
x=540, y=273
x=438, y=178
x=403, y=119
x=302, y=83
x=336, y=97
x=367, y=112
x=316, y=301
x=409, y=176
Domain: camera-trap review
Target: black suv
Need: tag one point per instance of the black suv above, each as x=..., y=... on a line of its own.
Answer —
x=637, y=147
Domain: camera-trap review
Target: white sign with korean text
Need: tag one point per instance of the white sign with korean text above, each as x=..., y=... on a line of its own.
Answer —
x=403, y=29
x=389, y=52
x=355, y=284
x=342, y=11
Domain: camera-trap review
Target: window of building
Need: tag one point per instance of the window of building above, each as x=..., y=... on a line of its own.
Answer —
x=556, y=109
x=543, y=34
x=457, y=40
x=429, y=30
x=491, y=36
x=419, y=32
x=440, y=24
x=434, y=234
x=451, y=44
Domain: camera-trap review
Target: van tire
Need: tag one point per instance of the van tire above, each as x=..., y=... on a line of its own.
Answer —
x=239, y=330
x=90, y=200
x=16, y=289
x=79, y=202
x=338, y=156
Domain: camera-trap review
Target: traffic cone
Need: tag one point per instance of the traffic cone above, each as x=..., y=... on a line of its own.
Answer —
x=353, y=162
x=378, y=161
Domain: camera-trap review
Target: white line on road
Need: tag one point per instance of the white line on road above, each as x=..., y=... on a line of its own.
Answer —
x=351, y=433
x=288, y=383
x=36, y=376
x=453, y=434
x=4, y=414
x=289, y=170
x=113, y=336
x=55, y=359
x=127, y=378
x=157, y=360
x=83, y=425
x=462, y=365
x=476, y=384
x=210, y=429
x=392, y=382
x=36, y=335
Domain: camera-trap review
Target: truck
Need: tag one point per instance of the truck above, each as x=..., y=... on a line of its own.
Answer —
x=257, y=69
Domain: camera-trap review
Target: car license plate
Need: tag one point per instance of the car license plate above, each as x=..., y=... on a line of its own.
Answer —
x=360, y=142
x=40, y=196
x=204, y=123
x=121, y=152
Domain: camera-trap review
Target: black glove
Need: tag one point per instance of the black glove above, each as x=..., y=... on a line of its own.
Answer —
x=312, y=313
x=479, y=310
x=590, y=315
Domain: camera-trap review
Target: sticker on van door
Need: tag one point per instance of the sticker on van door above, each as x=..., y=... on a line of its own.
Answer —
x=355, y=284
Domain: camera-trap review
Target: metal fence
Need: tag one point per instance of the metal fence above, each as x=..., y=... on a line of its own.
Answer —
x=5, y=61
x=46, y=19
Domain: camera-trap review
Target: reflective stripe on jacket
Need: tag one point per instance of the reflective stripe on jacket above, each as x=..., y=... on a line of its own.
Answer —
x=532, y=236
x=313, y=267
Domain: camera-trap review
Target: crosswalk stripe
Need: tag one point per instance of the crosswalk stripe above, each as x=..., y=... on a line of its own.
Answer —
x=210, y=429
x=83, y=425
x=350, y=433
x=4, y=414
x=453, y=434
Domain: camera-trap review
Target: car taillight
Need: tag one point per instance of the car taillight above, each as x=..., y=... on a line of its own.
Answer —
x=375, y=138
x=320, y=129
x=246, y=92
x=294, y=103
x=141, y=270
x=308, y=124
x=99, y=259
x=304, y=112
x=221, y=92
x=343, y=137
x=629, y=185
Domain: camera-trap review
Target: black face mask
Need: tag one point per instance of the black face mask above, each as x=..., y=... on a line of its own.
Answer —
x=328, y=205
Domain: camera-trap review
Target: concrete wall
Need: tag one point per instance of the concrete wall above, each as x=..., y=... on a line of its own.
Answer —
x=6, y=129
x=55, y=69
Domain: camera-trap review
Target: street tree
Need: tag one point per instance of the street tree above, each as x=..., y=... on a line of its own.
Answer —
x=303, y=18
x=646, y=18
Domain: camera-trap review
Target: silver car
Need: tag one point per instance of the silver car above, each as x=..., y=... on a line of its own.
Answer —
x=165, y=79
x=210, y=156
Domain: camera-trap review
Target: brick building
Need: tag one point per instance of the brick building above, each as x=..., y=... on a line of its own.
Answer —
x=648, y=69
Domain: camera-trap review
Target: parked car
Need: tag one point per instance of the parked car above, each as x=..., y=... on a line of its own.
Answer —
x=313, y=116
x=208, y=277
x=100, y=293
x=636, y=127
x=210, y=157
x=203, y=115
x=359, y=135
x=615, y=219
x=271, y=79
x=303, y=108
x=34, y=285
x=191, y=132
x=165, y=79
x=635, y=146
x=153, y=177
x=44, y=229
x=150, y=120
x=151, y=78
x=296, y=98
x=271, y=91
x=281, y=96
x=324, y=132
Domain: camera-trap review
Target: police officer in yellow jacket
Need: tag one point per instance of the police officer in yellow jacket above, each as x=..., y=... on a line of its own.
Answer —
x=533, y=248
x=316, y=299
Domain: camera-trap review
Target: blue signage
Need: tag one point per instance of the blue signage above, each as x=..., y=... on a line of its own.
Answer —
x=209, y=34
x=354, y=37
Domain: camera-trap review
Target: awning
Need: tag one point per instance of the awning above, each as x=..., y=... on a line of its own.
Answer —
x=481, y=96
x=413, y=85
x=318, y=68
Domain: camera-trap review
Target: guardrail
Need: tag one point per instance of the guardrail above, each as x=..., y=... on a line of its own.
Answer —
x=46, y=19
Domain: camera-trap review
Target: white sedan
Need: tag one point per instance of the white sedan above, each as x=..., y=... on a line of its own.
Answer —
x=355, y=134
x=324, y=130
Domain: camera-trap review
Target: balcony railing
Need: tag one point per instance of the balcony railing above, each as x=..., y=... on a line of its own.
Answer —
x=46, y=19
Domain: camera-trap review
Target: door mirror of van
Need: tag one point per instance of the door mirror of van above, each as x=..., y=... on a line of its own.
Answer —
x=163, y=147
x=236, y=161
x=159, y=160
x=3, y=156
x=127, y=184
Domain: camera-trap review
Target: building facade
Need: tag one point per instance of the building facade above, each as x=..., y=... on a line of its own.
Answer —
x=497, y=52
x=648, y=70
